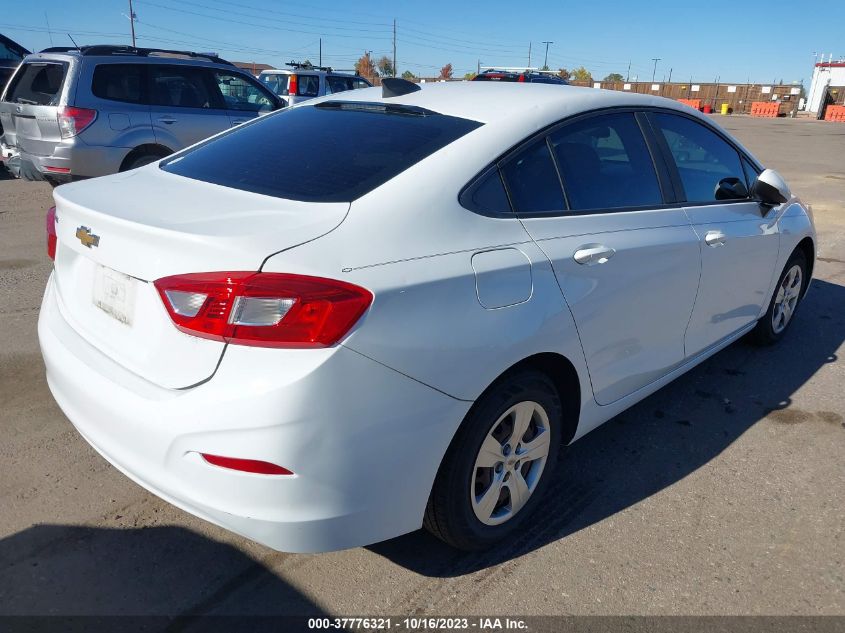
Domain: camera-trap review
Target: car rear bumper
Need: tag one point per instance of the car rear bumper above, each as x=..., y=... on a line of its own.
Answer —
x=363, y=440
x=70, y=160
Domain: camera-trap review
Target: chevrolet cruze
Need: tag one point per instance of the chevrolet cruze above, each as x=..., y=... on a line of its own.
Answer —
x=390, y=308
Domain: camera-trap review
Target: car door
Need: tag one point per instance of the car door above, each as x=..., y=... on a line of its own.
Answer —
x=244, y=99
x=739, y=243
x=185, y=105
x=626, y=260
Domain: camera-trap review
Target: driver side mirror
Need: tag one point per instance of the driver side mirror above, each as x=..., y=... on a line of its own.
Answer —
x=770, y=188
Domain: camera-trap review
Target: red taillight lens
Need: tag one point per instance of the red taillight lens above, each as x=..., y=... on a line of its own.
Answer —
x=73, y=120
x=263, y=309
x=522, y=79
x=293, y=85
x=246, y=465
x=50, y=222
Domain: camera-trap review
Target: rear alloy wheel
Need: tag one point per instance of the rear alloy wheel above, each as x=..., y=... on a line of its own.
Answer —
x=497, y=466
x=788, y=294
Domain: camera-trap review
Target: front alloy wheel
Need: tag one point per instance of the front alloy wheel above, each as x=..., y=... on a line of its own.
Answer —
x=497, y=466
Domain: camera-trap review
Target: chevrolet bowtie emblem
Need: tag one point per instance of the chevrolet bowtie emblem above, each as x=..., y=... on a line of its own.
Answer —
x=84, y=235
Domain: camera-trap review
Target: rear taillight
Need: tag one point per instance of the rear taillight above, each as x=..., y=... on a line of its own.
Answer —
x=293, y=85
x=50, y=221
x=73, y=120
x=263, y=309
x=521, y=79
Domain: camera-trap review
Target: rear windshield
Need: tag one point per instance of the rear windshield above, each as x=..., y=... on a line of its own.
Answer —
x=333, y=152
x=37, y=83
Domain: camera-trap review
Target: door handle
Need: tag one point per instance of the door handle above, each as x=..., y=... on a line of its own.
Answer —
x=591, y=254
x=715, y=238
x=167, y=120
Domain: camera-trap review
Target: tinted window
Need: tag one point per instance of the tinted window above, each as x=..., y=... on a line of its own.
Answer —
x=605, y=164
x=181, y=87
x=37, y=83
x=239, y=93
x=360, y=83
x=118, y=82
x=487, y=194
x=331, y=153
x=703, y=158
x=276, y=83
x=532, y=180
x=337, y=84
x=10, y=52
x=750, y=173
x=308, y=85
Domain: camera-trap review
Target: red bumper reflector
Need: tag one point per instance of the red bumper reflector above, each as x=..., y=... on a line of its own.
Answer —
x=57, y=170
x=246, y=465
x=50, y=221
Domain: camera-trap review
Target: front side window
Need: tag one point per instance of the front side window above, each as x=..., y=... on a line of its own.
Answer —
x=181, y=87
x=532, y=180
x=119, y=82
x=605, y=164
x=704, y=160
x=241, y=94
x=333, y=152
x=37, y=83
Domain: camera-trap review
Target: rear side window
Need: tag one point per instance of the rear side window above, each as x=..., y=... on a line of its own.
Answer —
x=357, y=83
x=605, y=164
x=702, y=157
x=308, y=85
x=181, y=87
x=119, y=82
x=334, y=152
x=337, y=84
x=487, y=194
x=532, y=180
x=38, y=83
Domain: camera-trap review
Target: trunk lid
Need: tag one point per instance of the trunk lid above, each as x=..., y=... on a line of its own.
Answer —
x=118, y=234
x=29, y=111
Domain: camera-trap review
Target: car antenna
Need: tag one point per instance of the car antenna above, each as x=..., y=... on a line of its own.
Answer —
x=396, y=87
x=72, y=40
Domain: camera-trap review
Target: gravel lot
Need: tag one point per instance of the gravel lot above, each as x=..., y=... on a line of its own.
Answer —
x=724, y=493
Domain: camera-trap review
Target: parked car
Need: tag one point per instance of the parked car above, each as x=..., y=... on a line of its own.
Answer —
x=304, y=81
x=401, y=322
x=11, y=54
x=527, y=75
x=81, y=112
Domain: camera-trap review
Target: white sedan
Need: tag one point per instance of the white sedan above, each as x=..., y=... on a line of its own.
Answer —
x=390, y=308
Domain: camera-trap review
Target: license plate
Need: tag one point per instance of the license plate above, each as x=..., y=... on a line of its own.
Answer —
x=114, y=294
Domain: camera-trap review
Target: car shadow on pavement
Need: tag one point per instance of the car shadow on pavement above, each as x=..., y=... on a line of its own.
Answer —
x=178, y=580
x=662, y=439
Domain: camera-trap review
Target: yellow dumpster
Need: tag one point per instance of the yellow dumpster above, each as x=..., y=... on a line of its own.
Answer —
x=725, y=108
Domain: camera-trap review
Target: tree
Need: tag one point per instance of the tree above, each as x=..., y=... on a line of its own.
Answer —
x=545, y=67
x=582, y=74
x=446, y=72
x=385, y=66
x=614, y=77
x=469, y=76
x=365, y=67
x=408, y=75
x=563, y=73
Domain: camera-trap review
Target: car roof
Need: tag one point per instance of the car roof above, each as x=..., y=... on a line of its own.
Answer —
x=532, y=103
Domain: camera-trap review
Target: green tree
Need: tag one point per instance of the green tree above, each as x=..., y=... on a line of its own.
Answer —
x=385, y=66
x=469, y=76
x=582, y=74
x=446, y=72
x=614, y=77
x=408, y=75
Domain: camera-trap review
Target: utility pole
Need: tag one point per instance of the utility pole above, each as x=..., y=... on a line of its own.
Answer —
x=529, y=54
x=654, y=72
x=394, y=47
x=546, y=60
x=478, y=68
x=628, y=74
x=320, y=63
x=132, y=22
x=670, y=76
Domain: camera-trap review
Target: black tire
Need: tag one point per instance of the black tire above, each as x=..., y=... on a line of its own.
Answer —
x=449, y=514
x=766, y=333
x=142, y=159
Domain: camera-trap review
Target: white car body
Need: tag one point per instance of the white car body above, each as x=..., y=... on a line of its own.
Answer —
x=459, y=298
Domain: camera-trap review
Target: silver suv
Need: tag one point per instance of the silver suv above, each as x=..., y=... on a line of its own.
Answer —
x=72, y=113
x=304, y=81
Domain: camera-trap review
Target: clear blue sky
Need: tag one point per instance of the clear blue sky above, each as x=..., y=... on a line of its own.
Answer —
x=763, y=40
